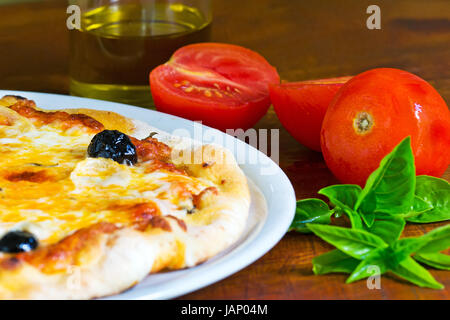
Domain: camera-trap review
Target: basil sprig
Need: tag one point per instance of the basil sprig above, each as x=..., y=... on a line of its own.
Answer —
x=359, y=250
x=392, y=196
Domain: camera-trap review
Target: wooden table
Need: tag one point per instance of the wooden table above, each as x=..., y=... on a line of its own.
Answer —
x=305, y=40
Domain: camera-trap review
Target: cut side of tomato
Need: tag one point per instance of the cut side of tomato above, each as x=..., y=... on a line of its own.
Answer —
x=225, y=86
x=301, y=107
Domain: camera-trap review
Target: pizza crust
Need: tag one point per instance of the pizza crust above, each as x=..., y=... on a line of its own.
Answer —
x=116, y=261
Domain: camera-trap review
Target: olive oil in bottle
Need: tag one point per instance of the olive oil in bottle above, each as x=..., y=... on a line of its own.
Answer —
x=118, y=45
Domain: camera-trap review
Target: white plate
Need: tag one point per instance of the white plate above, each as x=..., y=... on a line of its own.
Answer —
x=261, y=233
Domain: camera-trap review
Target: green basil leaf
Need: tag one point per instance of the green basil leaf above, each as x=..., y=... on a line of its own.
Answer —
x=390, y=188
x=436, y=240
x=412, y=271
x=375, y=261
x=407, y=246
x=389, y=229
x=344, y=197
x=355, y=219
x=435, y=260
x=368, y=218
x=353, y=242
x=334, y=261
x=436, y=192
x=310, y=211
x=418, y=207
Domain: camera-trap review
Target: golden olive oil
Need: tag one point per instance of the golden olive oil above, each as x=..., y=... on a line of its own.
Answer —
x=118, y=45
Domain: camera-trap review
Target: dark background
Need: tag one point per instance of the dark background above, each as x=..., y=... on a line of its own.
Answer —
x=303, y=39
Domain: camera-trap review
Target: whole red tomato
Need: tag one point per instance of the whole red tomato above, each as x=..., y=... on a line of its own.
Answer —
x=373, y=112
x=301, y=107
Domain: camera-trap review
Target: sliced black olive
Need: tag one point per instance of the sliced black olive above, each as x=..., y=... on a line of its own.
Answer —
x=18, y=241
x=113, y=144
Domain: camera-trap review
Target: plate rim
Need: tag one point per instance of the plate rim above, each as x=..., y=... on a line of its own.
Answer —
x=250, y=250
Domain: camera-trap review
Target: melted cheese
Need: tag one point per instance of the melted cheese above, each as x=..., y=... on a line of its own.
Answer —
x=50, y=188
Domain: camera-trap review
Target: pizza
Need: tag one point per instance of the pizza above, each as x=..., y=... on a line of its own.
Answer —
x=91, y=202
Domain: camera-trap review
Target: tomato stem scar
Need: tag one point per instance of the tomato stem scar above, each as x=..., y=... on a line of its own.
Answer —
x=363, y=123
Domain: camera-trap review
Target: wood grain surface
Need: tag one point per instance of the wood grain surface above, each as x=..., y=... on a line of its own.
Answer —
x=304, y=40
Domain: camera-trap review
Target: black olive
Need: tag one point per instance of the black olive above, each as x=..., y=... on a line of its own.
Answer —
x=113, y=144
x=18, y=241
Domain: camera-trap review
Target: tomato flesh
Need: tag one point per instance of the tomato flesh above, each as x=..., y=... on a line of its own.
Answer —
x=301, y=107
x=376, y=110
x=225, y=86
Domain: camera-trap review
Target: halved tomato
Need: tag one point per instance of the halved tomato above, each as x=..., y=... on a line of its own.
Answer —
x=226, y=86
x=301, y=107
